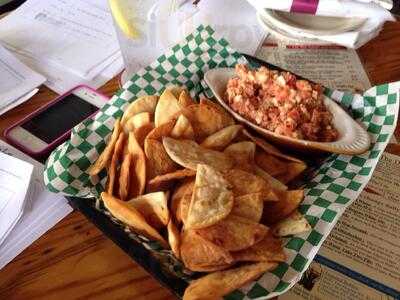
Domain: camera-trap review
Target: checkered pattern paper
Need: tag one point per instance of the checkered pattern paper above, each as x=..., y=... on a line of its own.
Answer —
x=337, y=183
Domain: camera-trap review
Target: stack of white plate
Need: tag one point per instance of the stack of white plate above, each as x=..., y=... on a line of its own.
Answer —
x=297, y=26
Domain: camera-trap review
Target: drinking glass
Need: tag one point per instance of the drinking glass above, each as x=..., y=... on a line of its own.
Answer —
x=145, y=28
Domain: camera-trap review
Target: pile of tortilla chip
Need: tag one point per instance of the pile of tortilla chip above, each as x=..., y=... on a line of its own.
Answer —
x=219, y=191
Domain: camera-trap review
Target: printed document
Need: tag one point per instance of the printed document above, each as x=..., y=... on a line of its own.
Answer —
x=331, y=65
x=361, y=257
x=41, y=212
x=75, y=35
x=17, y=80
x=15, y=178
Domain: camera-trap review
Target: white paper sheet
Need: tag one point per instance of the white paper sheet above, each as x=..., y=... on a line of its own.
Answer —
x=61, y=81
x=43, y=210
x=74, y=35
x=18, y=101
x=15, y=178
x=16, y=79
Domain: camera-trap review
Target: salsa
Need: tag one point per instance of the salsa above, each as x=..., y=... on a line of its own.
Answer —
x=279, y=102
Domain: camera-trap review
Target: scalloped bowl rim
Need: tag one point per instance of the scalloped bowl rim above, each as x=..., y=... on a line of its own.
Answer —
x=353, y=138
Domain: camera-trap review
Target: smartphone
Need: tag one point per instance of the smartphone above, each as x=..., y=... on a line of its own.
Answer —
x=43, y=130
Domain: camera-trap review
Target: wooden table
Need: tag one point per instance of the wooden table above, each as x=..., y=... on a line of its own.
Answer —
x=74, y=260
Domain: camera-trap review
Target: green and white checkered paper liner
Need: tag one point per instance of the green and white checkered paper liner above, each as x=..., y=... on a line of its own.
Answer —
x=335, y=186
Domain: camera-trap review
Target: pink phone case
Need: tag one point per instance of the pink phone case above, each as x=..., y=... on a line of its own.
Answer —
x=57, y=141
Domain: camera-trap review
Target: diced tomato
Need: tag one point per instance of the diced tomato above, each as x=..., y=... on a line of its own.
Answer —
x=282, y=93
x=281, y=103
x=294, y=114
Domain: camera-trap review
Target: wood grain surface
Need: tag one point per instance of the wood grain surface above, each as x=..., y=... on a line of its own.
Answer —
x=74, y=260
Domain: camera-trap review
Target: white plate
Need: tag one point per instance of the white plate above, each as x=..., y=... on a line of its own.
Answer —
x=353, y=139
x=296, y=23
x=282, y=35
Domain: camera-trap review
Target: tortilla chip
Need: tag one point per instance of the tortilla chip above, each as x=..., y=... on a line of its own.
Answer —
x=111, y=175
x=274, y=196
x=211, y=200
x=269, y=249
x=189, y=154
x=222, y=138
x=249, y=206
x=277, y=211
x=153, y=207
x=182, y=129
x=167, y=108
x=275, y=183
x=294, y=169
x=124, y=182
x=127, y=214
x=185, y=99
x=228, y=119
x=164, y=130
x=270, y=164
x=107, y=153
x=197, y=253
x=295, y=223
x=234, y=233
x=188, y=133
x=184, y=204
x=269, y=148
x=142, y=104
x=163, y=181
x=138, y=174
x=174, y=238
x=177, y=195
x=142, y=132
x=247, y=167
x=205, y=120
x=218, y=284
x=112, y=172
x=158, y=161
x=176, y=90
x=210, y=268
x=137, y=121
x=242, y=152
x=244, y=183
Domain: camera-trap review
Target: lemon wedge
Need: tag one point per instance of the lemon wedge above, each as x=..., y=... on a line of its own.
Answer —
x=124, y=17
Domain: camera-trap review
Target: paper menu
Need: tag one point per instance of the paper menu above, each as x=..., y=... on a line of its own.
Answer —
x=74, y=35
x=42, y=212
x=330, y=65
x=15, y=178
x=17, y=80
x=361, y=255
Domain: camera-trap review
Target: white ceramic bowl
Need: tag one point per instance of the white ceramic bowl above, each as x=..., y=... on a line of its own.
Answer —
x=353, y=138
